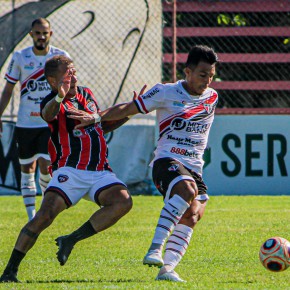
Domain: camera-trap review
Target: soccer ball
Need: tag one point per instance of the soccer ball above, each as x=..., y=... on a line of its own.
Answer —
x=275, y=254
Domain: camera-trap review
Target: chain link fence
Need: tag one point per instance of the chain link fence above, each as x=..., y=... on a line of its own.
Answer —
x=117, y=46
x=252, y=39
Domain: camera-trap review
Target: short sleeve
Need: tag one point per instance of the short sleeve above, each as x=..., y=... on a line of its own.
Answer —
x=13, y=72
x=151, y=100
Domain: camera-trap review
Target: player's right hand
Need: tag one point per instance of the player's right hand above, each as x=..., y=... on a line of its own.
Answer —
x=64, y=84
x=140, y=93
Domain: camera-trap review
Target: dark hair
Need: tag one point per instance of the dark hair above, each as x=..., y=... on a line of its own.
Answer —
x=40, y=21
x=201, y=53
x=52, y=64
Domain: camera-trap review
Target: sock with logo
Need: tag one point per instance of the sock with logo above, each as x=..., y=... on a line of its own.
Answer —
x=170, y=215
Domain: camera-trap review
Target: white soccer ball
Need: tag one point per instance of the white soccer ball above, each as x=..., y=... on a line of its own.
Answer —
x=275, y=254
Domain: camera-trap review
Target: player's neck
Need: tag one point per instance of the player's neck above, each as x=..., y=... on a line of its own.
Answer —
x=41, y=52
x=189, y=90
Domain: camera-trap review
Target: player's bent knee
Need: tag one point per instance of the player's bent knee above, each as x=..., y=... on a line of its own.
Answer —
x=188, y=191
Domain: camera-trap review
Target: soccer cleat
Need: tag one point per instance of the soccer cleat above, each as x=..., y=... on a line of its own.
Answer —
x=65, y=247
x=9, y=277
x=169, y=276
x=153, y=258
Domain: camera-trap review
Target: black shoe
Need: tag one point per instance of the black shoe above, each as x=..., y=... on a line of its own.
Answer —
x=65, y=246
x=9, y=277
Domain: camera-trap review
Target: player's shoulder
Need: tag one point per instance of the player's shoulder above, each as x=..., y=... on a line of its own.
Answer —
x=85, y=91
x=56, y=51
x=25, y=52
x=210, y=93
x=47, y=98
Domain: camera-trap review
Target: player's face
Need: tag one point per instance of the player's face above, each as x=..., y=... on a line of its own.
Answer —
x=41, y=34
x=198, y=78
x=70, y=69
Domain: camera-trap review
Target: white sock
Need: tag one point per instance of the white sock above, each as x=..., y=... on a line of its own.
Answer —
x=176, y=246
x=28, y=191
x=170, y=215
x=44, y=179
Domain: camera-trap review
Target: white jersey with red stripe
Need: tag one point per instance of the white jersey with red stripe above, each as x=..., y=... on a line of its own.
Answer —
x=28, y=69
x=184, y=121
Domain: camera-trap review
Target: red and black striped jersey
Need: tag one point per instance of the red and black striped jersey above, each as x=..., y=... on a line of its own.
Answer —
x=84, y=148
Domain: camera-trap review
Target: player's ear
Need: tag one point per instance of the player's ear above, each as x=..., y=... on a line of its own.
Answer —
x=186, y=70
x=30, y=33
x=52, y=81
x=51, y=33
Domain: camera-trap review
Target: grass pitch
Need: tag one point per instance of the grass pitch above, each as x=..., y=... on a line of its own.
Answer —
x=223, y=253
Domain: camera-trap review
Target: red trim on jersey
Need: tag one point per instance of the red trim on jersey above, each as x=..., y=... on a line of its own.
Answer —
x=103, y=147
x=10, y=79
x=188, y=113
x=36, y=75
x=85, y=155
x=63, y=136
x=142, y=104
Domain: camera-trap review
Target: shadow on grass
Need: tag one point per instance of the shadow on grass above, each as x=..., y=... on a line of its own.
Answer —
x=84, y=281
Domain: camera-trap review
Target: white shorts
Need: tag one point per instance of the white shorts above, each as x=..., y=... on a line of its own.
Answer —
x=73, y=184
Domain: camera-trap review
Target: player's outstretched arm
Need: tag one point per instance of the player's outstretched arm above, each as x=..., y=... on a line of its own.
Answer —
x=122, y=111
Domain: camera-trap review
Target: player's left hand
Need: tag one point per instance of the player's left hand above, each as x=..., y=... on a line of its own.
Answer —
x=83, y=117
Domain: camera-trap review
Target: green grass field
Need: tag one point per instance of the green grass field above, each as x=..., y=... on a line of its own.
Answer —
x=223, y=253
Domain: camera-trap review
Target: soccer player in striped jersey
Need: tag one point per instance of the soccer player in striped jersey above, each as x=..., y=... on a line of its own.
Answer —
x=185, y=112
x=32, y=133
x=79, y=167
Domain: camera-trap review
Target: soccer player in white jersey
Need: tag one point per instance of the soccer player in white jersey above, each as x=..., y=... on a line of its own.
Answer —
x=185, y=112
x=32, y=133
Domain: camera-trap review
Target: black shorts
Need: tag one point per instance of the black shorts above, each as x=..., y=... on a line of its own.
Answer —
x=165, y=170
x=32, y=142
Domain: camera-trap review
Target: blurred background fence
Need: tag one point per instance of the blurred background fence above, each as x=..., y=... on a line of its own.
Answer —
x=119, y=45
x=252, y=39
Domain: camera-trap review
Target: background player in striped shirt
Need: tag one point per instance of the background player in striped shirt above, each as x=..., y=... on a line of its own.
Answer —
x=185, y=112
x=79, y=167
x=32, y=133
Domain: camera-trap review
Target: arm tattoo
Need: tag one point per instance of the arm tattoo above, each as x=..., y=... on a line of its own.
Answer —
x=50, y=110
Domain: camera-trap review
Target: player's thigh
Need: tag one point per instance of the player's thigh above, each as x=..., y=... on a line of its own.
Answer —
x=108, y=189
x=52, y=203
x=187, y=189
x=171, y=177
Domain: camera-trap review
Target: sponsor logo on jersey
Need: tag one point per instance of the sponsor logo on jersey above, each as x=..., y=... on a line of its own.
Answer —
x=10, y=66
x=179, y=104
x=77, y=133
x=92, y=106
x=34, y=114
x=179, y=91
x=178, y=124
x=173, y=167
x=29, y=66
x=150, y=94
x=62, y=178
x=183, y=141
x=182, y=151
x=33, y=85
x=189, y=126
